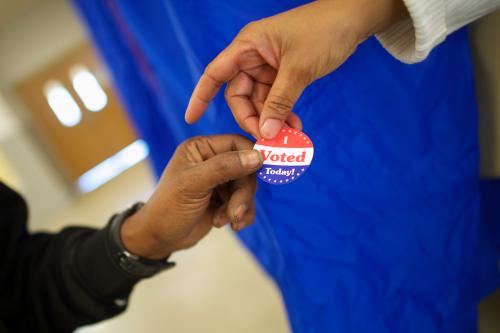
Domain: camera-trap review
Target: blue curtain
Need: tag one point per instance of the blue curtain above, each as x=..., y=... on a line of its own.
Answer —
x=383, y=233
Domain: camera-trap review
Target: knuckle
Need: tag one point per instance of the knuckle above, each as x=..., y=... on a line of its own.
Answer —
x=209, y=72
x=209, y=68
x=280, y=105
x=190, y=148
x=190, y=142
x=249, y=27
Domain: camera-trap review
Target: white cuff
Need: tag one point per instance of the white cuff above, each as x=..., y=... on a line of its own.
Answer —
x=412, y=40
x=431, y=21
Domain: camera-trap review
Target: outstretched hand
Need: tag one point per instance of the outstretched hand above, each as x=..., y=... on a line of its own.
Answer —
x=271, y=61
x=210, y=181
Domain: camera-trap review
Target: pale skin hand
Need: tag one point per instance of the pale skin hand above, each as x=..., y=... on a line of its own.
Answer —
x=210, y=181
x=271, y=61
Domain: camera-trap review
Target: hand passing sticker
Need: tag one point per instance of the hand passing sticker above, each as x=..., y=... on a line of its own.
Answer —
x=286, y=157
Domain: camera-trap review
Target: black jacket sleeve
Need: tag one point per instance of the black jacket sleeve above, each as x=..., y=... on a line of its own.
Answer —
x=55, y=282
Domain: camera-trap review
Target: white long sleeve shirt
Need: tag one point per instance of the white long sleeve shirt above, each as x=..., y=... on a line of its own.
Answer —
x=430, y=22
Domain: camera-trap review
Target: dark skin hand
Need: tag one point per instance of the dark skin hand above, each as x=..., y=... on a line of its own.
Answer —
x=210, y=181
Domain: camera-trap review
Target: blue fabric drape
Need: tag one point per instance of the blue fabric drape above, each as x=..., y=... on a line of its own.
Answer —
x=383, y=233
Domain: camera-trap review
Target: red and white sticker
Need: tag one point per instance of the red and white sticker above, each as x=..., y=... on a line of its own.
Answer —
x=286, y=157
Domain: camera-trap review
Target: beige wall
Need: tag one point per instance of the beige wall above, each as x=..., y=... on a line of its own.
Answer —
x=7, y=173
x=35, y=38
x=8, y=122
x=44, y=31
x=485, y=45
x=8, y=126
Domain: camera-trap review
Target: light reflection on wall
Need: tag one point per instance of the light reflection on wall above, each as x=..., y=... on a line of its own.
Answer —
x=62, y=104
x=88, y=88
x=113, y=166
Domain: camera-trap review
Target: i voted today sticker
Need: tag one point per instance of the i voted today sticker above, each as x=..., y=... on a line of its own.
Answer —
x=286, y=157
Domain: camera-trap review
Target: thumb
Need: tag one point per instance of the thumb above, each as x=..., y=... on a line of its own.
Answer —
x=223, y=168
x=289, y=84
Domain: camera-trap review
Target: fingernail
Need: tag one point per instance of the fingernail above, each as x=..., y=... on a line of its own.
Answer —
x=270, y=128
x=186, y=114
x=239, y=213
x=220, y=220
x=250, y=159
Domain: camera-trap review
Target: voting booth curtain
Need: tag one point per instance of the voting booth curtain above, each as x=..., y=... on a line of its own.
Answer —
x=384, y=232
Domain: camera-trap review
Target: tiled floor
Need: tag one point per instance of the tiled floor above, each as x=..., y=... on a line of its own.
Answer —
x=216, y=287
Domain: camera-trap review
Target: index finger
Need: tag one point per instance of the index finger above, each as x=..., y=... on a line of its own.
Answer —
x=202, y=148
x=229, y=142
x=221, y=70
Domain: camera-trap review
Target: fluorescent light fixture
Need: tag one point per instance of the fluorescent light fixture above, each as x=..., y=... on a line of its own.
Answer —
x=62, y=104
x=113, y=166
x=88, y=88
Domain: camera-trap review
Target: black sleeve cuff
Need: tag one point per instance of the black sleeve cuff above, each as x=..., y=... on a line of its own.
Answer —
x=98, y=269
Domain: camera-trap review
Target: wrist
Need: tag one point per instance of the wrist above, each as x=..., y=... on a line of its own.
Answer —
x=373, y=16
x=138, y=238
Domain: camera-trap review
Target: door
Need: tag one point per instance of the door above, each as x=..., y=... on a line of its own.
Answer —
x=76, y=112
